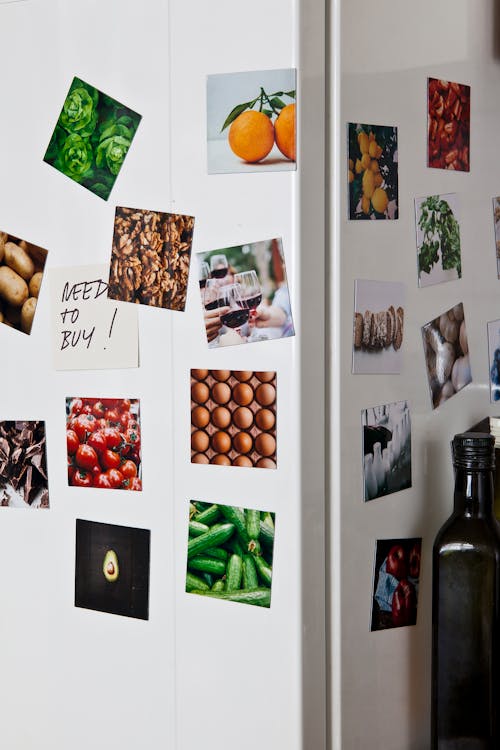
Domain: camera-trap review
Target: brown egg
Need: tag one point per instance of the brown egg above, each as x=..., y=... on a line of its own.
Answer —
x=243, y=394
x=200, y=416
x=265, y=377
x=221, y=417
x=221, y=374
x=199, y=441
x=266, y=463
x=221, y=442
x=199, y=374
x=221, y=393
x=242, y=461
x=265, y=444
x=220, y=460
x=243, y=417
x=199, y=458
x=242, y=442
x=265, y=419
x=265, y=394
x=199, y=393
x=242, y=375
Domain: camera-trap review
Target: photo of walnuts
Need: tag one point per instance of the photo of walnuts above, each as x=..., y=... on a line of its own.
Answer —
x=150, y=258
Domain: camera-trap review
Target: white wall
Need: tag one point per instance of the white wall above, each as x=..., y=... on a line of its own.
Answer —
x=197, y=670
x=381, y=58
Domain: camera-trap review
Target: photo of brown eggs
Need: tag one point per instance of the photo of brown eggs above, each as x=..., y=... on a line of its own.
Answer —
x=233, y=418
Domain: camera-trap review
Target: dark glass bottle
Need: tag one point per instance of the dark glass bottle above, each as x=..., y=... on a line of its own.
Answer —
x=465, y=607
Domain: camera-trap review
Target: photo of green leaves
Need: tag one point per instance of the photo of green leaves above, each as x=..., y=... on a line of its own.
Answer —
x=92, y=137
x=438, y=239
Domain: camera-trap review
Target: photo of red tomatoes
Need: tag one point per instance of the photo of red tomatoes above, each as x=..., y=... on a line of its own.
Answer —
x=103, y=439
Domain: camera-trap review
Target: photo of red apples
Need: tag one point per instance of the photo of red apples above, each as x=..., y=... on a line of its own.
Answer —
x=395, y=583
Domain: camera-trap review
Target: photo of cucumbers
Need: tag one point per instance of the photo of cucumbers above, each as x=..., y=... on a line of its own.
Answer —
x=230, y=553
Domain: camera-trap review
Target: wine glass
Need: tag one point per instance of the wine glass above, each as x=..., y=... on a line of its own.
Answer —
x=218, y=266
x=204, y=274
x=251, y=291
x=210, y=294
x=229, y=295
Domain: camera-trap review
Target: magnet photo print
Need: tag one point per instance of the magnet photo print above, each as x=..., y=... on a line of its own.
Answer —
x=372, y=152
x=446, y=351
x=21, y=272
x=230, y=553
x=244, y=294
x=439, y=256
x=251, y=121
x=396, y=581
x=378, y=326
x=386, y=449
x=494, y=359
x=150, y=258
x=92, y=137
x=496, y=221
x=23, y=465
x=112, y=569
x=233, y=418
x=448, y=125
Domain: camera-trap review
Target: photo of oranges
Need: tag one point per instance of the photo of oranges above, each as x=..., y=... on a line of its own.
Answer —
x=251, y=121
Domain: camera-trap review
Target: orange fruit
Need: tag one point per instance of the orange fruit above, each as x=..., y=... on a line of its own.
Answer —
x=380, y=200
x=251, y=135
x=284, y=131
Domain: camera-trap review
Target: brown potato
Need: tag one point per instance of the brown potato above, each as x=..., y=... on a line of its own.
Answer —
x=13, y=289
x=35, y=282
x=19, y=260
x=3, y=240
x=27, y=314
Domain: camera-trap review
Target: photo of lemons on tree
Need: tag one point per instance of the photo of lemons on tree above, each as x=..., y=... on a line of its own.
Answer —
x=92, y=137
x=251, y=121
x=372, y=171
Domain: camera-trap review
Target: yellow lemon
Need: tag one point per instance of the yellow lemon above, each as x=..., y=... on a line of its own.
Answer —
x=378, y=180
x=363, y=142
x=365, y=161
x=374, y=166
x=380, y=200
x=372, y=149
x=368, y=183
x=365, y=204
x=359, y=167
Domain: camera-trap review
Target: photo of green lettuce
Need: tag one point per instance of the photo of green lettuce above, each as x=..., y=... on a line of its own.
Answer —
x=92, y=137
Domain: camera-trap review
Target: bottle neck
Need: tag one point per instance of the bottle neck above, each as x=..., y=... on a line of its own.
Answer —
x=474, y=492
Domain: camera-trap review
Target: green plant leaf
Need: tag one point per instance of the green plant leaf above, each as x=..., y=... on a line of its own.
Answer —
x=235, y=113
x=290, y=94
x=277, y=103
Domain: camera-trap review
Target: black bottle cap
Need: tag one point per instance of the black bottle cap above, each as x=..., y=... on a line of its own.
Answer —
x=474, y=450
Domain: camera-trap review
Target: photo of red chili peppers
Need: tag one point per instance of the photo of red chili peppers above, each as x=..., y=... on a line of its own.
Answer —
x=103, y=437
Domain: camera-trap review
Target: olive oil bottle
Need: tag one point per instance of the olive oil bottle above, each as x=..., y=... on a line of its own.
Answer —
x=466, y=606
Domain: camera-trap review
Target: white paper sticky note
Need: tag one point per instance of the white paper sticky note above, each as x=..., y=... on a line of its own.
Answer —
x=90, y=332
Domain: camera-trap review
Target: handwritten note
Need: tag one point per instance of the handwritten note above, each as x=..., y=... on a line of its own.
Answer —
x=90, y=332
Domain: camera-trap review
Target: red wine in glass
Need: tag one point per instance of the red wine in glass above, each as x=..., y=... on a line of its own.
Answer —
x=235, y=318
x=218, y=273
x=203, y=283
x=252, y=302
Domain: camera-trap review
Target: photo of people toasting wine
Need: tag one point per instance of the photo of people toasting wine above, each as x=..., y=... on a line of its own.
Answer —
x=244, y=293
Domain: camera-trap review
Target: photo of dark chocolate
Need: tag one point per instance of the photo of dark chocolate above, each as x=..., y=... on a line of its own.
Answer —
x=23, y=465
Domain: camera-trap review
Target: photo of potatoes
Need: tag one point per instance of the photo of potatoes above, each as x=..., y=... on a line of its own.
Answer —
x=396, y=582
x=150, y=258
x=233, y=418
x=23, y=465
x=230, y=553
x=372, y=153
x=448, y=125
x=446, y=354
x=21, y=273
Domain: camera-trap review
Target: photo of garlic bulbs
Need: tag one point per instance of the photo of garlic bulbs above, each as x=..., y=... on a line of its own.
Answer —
x=446, y=354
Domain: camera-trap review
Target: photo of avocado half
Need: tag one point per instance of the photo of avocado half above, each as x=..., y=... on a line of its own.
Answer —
x=110, y=566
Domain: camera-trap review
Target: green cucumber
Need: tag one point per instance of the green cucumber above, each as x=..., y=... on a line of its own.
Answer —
x=209, y=515
x=195, y=583
x=266, y=534
x=197, y=529
x=250, y=580
x=261, y=597
x=234, y=546
x=234, y=572
x=218, y=552
x=264, y=571
x=252, y=518
x=218, y=585
x=254, y=546
x=236, y=516
x=208, y=565
x=218, y=534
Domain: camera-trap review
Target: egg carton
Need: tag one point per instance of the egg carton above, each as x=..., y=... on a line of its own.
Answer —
x=233, y=418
